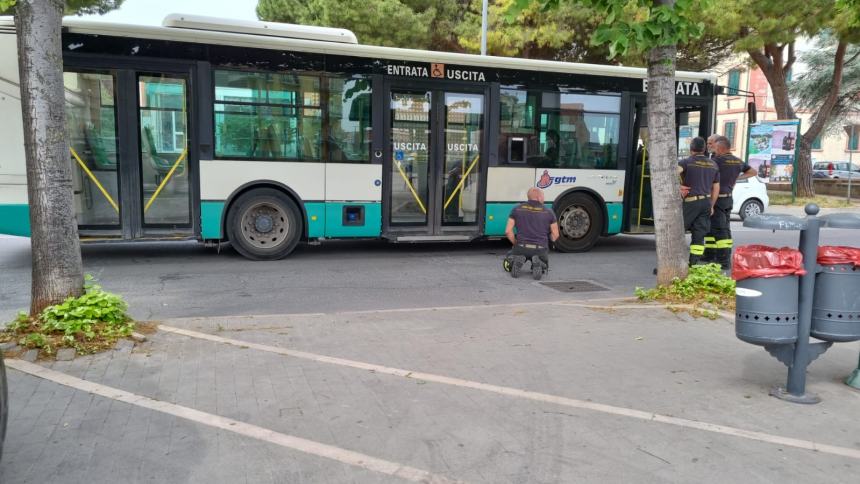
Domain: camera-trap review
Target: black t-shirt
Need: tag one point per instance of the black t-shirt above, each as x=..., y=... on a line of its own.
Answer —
x=532, y=221
x=699, y=173
x=730, y=168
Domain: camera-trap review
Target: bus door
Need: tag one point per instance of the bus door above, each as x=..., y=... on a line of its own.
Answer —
x=435, y=162
x=692, y=118
x=130, y=146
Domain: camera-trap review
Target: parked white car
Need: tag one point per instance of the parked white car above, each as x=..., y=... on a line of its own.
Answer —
x=750, y=197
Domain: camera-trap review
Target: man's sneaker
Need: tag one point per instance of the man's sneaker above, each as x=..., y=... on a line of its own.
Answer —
x=538, y=268
x=506, y=264
x=517, y=262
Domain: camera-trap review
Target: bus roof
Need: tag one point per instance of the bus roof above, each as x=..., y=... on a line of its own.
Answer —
x=209, y=30
x=272, y=29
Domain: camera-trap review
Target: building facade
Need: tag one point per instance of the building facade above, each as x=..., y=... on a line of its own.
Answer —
x=747, y=84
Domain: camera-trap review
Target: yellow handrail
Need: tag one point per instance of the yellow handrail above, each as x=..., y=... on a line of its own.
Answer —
x=411, y=189
x=462, y=180
x=94, y=179
x=166, y=178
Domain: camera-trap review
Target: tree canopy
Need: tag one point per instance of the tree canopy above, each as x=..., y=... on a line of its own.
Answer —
x=768, y=31
x=811, y=88
x=416, y=24
x=72, y=7
x=563, y=32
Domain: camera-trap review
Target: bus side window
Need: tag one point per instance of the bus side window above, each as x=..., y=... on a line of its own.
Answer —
x=267, y=115
x=349, y=120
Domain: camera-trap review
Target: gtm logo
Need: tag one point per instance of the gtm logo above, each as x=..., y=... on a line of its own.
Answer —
x=546, y=180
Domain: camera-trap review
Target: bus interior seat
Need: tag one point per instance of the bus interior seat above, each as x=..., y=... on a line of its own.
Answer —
x=100, y=157
x=160, y=164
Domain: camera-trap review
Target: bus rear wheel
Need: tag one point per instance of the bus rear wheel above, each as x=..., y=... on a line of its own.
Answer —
x=264, y=224
x=580, y=222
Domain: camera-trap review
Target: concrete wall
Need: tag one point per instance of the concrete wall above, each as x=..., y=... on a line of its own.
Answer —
x=824, y=187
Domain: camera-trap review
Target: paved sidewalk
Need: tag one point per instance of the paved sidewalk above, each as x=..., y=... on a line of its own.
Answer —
x=511, y=395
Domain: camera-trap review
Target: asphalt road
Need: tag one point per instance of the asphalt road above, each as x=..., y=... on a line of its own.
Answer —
x=178, y=279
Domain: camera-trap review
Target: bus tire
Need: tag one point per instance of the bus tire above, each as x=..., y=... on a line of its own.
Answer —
x=580, y=223
x=264, y=224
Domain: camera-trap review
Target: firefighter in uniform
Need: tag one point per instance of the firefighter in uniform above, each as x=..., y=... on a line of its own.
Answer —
x=718, y=243
x=535, y=227
x=700, y=187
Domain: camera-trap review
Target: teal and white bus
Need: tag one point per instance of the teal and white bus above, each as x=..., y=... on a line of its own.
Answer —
x=266, y=135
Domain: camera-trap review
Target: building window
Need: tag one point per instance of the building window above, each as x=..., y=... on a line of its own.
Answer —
x=267, y=116
x=734, y=81
x=853, y=137
x=816, y=143
x=729, y=131
x=559, y=130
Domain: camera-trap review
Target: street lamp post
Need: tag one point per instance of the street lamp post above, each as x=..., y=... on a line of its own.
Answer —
x=484, y=28
x=850, y=162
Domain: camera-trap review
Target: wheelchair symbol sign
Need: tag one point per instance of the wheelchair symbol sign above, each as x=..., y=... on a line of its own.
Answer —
x=398, y=155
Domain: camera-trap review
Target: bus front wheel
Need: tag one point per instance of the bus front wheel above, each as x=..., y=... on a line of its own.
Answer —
x=580, y=222
x=264, y=224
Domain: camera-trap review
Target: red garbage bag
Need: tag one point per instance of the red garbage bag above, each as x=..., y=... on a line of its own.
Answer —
x=829, y=255
x=765, y=261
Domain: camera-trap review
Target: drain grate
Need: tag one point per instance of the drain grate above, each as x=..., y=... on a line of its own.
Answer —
x=575, y=286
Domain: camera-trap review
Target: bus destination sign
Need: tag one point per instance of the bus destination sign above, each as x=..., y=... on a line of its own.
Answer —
x=436, y=71
x=681, y=88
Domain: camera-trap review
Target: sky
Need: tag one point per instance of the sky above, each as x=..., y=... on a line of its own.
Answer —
x=152, y=12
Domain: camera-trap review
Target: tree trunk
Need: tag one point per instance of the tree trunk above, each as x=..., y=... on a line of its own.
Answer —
x=781, y=99
x=771, y=63
x=805, y=188
x=57, y=268
x=672, y=250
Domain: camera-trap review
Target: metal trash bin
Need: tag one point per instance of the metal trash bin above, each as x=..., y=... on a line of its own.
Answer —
x=766, y=310
x=836, y=303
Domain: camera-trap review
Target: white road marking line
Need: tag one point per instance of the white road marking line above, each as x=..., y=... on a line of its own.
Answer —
x=536, y=396
x=406, y=310
x=723, y=314
x=284, y=440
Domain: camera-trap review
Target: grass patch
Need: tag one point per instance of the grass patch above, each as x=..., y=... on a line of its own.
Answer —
x=705, y=288
x=823, y=201
x=90, y=323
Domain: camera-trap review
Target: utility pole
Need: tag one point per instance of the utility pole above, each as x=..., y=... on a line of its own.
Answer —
x=851, y=138
x=484, y=28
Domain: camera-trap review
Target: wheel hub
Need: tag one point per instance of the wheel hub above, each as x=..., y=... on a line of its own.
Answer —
x=264, y=223
x=575, y=222
x=752, y=209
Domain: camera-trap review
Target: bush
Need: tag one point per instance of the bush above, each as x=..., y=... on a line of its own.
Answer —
x=89, y=323
x=705, y=287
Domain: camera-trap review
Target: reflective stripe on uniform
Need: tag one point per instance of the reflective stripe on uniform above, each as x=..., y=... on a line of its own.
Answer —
x=711, y=242
x=696, y=249
x=724, y=244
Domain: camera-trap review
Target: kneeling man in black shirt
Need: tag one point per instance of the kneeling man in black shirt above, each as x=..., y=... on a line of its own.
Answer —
x=535, y=226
